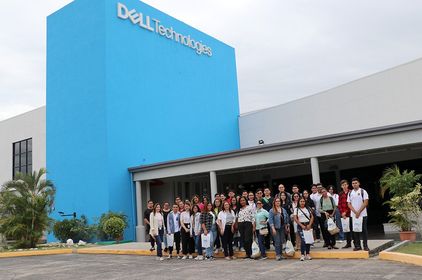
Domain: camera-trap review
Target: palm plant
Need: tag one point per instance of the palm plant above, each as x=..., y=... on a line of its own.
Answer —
x=398, y=183
x=25, y=205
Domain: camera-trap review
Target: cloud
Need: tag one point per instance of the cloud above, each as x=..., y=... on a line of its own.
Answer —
x=284, y=49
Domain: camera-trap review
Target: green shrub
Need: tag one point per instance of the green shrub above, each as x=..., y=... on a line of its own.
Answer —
x=75, y=229
x=114, y=227
x=101, y=234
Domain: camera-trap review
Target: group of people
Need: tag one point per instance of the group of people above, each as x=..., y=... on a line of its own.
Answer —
x=231, y=221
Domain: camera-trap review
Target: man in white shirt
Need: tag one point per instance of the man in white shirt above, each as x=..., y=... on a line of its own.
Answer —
x=357, y=201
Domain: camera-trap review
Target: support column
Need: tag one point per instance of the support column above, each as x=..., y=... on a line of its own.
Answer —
x=315, y=170
x=140, y=228
x=213, y=184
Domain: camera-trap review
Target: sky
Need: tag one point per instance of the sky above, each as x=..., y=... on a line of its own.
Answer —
x=285, y=49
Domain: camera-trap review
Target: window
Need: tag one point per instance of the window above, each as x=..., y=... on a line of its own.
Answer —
x=22, y=157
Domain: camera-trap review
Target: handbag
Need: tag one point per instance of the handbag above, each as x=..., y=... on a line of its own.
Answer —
x=255, y=250
x=263, y=231
x=332, y=227
x=170, y=239
x=308, y=236
x=345, y=224
x=205, y=241
x=357, y=224
x=290, y=249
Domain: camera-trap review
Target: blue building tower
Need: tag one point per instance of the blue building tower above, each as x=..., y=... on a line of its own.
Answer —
x=129, y=85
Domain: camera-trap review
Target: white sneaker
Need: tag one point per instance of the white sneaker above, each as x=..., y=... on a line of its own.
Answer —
x=216, y=251
x=199, y=258
x=308, y=257
x=190, y=257
x=161, y=259
x=302, y=258
x=184, y=257
x=340, y=241
x=228, y=258
x=169, y=257
x=179, y=257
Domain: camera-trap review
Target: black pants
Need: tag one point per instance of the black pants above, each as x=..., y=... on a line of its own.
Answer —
x=293, y=235
x=316, y=226
x=321, y=223
x=177, y=241
x=148, y=236
x=357, y=236
x=227, y=240
x=246, y=234
x=348, y=235
x=329, y=239
x=188, y=244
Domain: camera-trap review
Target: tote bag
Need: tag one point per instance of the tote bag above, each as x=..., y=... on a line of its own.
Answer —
x=308, y=236
x=170, y=239
x=345, y=223
x=205, y=240
x=332, y=227
x=255, y=250
x=357, y=224
x=290, y=249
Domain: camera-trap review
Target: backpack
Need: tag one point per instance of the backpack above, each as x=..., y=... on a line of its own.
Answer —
x=332, y=202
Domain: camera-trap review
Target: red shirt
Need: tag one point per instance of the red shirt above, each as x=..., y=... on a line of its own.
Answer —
x=342, y=203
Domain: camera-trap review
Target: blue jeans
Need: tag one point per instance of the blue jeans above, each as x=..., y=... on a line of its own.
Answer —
x=261, y=243
x=210, y=250
x=278, y=240
x=158, y=240
x=304, y=248
x=198, y=244
x=339, y=225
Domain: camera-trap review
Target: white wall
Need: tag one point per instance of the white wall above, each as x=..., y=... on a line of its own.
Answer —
x=21, y=127
x=389, y=97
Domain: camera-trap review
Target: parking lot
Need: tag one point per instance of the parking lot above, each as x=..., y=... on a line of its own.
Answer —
x=104, y=267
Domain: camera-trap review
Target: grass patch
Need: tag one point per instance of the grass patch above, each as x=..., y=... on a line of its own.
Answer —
x=414, y=248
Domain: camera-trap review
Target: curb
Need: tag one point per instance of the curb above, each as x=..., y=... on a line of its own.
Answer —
x=389, y=255
x=36, y=253
x=270, y=255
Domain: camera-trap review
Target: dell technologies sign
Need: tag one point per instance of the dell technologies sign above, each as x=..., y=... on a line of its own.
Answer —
x=145, y=22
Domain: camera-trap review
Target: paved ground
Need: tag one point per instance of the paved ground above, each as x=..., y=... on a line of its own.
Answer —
x=107, y=267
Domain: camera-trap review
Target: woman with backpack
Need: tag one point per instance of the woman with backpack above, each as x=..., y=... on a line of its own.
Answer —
x=328, y=211
x=279, y=224
x=304, y=219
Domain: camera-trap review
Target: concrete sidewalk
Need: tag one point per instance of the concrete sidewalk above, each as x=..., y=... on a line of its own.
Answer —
x=317, y=252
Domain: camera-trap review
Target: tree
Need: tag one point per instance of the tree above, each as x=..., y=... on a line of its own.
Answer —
x=25, y=205
x=398, y=183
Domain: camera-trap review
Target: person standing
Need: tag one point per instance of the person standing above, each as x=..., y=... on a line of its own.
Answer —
x=279, y=224
x=337, y=215
x=147, y=213
x=226, y=221
x=217, y=206
x=166, y=211
x=208, y=220
x=345, y=211
x=357, y=201
x=258, y=195
x=186, y=225
x=261, y=224
x=304, y=219
x=173, y=227
x=294, y=235
x=251, y=201
x=282, y=189
x=156, y=222
x=315, y=196
x=267, y=204
x=327, y=210
x=196, y=230
x=245, y=219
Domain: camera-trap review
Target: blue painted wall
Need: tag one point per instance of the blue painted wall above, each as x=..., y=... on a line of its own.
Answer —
x=120, y=96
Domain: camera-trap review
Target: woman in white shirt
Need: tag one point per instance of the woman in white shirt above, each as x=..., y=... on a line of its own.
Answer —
x=294, y=235
x=185, y=231
x=156, y=221
x=304, y=219
x=226, y=220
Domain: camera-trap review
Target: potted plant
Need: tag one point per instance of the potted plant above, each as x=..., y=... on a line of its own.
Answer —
x=397, y=183
x=114, y=227
x=405, y=213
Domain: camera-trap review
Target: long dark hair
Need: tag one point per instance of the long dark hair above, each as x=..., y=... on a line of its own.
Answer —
x=155, y=207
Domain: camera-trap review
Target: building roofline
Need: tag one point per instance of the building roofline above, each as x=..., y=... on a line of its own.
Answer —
x=395, y=128
x=22, y=114
x=330, y=89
